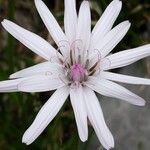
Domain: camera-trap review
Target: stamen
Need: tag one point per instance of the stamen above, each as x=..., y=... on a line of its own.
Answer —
x=108, y=61
x=48, y=73
x=94, y=66
x=65, y=61
x=85, y=57
x=79, y=59
x=74, y=56
x=75, y=85
x=59, y=56
x=76, y=63
x=71, y=57
x=74, y=43
x=87, y=54
x=92, y=73
x=67, y=65
x=59, y=76
x=99, y=53
x=61, y=61
x=62, y=43
x=87, y=63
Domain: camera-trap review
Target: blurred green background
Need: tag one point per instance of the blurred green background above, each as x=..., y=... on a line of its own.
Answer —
x=18, y=110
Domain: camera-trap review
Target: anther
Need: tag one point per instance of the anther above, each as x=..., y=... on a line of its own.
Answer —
x=92, y=73
x=71, y=57
x=94, y=66
x=87, y=63
x=62, y=79
x=79, y=59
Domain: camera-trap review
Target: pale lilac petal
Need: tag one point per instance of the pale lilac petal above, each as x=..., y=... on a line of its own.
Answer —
x=106, y=21
x=111, y=89
x=30, y=40
x=9, y=85
x=84, y=25
x=42, y=83
x=124, y=78
x=70, y=19
x=77, y=101
x=53, y=27
x=112, y=38
x=46, y=68
x=46, y=115
x=96, y=118
x=126, y=57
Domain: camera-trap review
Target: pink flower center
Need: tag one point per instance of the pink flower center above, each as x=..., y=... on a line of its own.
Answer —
x=77, y=72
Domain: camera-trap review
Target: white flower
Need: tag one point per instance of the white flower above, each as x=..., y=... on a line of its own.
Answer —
x=79, y=66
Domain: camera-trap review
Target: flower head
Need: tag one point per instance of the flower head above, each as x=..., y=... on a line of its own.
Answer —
x=77, y=68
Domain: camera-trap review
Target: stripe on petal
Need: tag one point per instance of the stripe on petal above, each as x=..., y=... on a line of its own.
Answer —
x=126, y=57
x=42, y=83
x=53, y=27
x=10, y=85
x=84, y=25
x=111, y=89
x=112, y=38
x=106, y=21
x=77, y=101
x=96, y=118
x=124, y=78
x=70, y=19
x=30, y=40
x=46, y=115
x=46, y=68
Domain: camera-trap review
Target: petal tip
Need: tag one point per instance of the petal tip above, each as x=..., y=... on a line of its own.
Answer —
x=25, y=139
x=143, y=103
x=11, y=76
x=3, y=22
x=84, y=139
x=128, y=23
x=85, y=2
x=117, y=3
x=111, y=141
x=38, y=1
x=113, y=144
